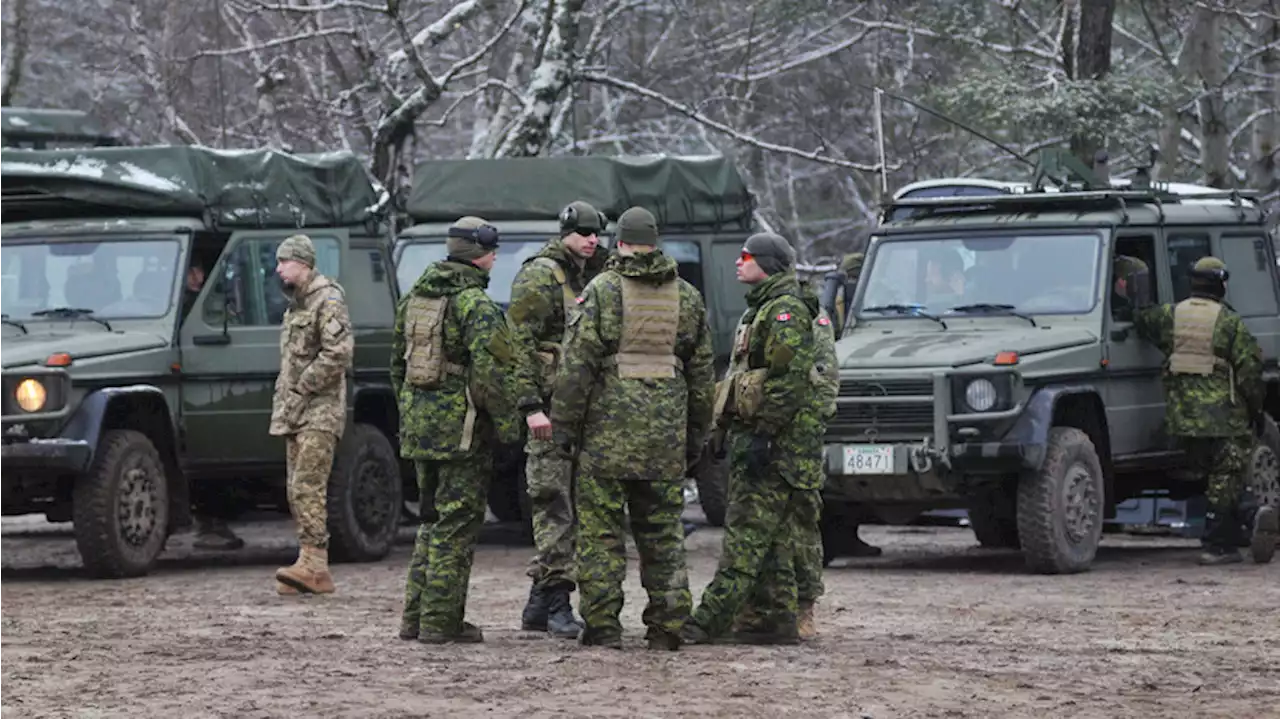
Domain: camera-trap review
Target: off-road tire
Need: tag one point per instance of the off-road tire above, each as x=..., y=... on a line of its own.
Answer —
x=1264, y=465
x=712, y=478
x=993, y=517
x=112, y=546
x=365, y=496
x=1054, y=540
x=507, y=494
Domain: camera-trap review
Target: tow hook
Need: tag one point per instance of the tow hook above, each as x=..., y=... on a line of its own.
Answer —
x=923, y=456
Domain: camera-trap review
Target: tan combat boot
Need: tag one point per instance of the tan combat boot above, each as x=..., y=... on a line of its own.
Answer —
x=805, y=625
x=285, y=590
x=310, y=573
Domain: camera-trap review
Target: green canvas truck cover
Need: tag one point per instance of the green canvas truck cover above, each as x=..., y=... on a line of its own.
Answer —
x=679, y=191
x=238, y=188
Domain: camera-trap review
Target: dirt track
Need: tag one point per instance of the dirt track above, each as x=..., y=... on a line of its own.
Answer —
x=936, y=628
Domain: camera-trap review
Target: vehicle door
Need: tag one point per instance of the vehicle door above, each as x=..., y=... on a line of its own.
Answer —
x=1132, y=367
x=1252, y=285
x=230, y=348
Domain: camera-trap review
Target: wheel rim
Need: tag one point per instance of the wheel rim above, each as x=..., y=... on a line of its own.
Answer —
x=138, y=505
x=1081, y=502
x=371, y=497
x=1266, y=475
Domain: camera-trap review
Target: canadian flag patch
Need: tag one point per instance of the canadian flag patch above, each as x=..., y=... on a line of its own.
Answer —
x=824, y=321
x=580, y=299
x=784, y=316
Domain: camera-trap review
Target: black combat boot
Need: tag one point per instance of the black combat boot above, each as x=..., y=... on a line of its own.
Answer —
x=1221, y=539
x=534, y=618
x=560, y=620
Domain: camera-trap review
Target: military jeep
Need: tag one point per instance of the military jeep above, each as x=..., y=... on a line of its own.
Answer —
x=704, y=214
x=989, y=361
x=132, y=387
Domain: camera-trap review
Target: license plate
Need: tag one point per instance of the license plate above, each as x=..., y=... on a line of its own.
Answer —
x=868, y=459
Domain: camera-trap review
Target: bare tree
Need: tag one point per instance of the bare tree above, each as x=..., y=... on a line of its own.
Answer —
x=16, y=41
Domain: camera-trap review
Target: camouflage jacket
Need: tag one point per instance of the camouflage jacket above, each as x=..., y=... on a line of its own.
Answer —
x=780, y=340
x=537, y=314
x=633, y=429
x=433, y=423
x=1209, y=405
x=316, y=348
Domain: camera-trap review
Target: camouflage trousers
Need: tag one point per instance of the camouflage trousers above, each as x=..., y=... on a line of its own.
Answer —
x=417, y=575
x=758, y=558
x=461, y=488
x=309, y=457
x=655, y=508
x=808, y=547
x=1224, y=463
x=549, y=478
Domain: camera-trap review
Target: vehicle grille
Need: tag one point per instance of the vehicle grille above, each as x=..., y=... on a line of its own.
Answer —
x=896, y=420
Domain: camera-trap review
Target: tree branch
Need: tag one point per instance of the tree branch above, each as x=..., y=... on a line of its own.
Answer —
x=277, y=42
x=723, y=129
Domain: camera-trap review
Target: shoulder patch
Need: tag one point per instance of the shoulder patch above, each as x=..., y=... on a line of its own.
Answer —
x=784, y=316
x=580, y=299
x=824, y=321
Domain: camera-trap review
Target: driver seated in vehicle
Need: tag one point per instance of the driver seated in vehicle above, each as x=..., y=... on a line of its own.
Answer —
x=944, y=279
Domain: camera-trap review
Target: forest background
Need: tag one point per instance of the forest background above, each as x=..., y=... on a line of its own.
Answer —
x=788, y=88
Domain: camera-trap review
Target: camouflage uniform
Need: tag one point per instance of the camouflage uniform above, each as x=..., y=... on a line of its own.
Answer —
x=543, y=295
x=448, y=428
x=776, y=467
x=633, y=396
x=1213, y=395
x=309, y=408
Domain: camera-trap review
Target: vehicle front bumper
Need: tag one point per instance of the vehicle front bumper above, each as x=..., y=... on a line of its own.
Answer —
x=47, y=455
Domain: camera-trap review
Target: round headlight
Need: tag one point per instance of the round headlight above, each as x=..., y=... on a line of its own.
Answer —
x=980, y=395
x=30, y=395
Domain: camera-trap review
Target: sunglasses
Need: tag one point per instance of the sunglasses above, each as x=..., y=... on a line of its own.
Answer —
x=747, y=256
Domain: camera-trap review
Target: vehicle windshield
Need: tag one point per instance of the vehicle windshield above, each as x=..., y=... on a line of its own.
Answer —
x=1032, y=274
x=113, y=279
x=511, y=254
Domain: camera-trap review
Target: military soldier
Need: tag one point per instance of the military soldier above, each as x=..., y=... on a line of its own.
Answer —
x=543, y=296
x=450, y=359
x=310, y=403
x=776, y=408
x=633, y=399
x=1213, y=401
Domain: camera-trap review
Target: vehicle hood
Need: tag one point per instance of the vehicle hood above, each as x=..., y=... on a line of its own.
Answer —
x=24, y=350
x=871, y=348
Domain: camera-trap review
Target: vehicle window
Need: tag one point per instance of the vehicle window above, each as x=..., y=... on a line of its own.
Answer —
x=113, y=279
x=1250, y=289
x=512, y=253
x=1184, y=250
x=365, y=271
x=1043, y=274
x=1143, y=248
x=688, y=257
x=251, y=292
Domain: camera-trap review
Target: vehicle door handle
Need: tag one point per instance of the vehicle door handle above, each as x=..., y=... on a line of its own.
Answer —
x=206, y=340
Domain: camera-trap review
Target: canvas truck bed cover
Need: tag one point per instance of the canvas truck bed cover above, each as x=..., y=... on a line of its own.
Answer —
x=238, y=188
x=680, y=191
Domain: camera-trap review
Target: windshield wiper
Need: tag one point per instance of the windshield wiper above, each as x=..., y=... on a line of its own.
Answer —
x=14, y=323
x=914, y=310
x=71, y=313
x=1010, y=310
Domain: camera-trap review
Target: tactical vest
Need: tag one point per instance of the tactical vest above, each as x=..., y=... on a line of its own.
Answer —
x=549, y=350
x=741, y=393
x=1194, y=320
x=650, y=322
x=424, y=356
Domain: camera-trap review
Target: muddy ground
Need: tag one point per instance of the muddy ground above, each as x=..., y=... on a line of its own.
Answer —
x=935, y=628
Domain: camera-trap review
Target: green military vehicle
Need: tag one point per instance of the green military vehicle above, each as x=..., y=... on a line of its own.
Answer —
x=42, y=129
x=704, y=212
x=988, y=362
x=126, y=393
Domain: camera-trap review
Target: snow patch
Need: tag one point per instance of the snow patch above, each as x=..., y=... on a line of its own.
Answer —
x=148, y=179
x=17, y=121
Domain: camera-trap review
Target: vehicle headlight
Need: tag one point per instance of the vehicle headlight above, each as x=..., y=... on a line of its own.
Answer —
x=980, y=395
x=30, y=395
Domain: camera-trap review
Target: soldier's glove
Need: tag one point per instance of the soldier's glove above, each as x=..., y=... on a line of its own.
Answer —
x=759, y=453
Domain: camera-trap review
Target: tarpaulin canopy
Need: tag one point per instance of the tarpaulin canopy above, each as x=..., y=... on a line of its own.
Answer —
x=236, y=188
x=679, y=191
